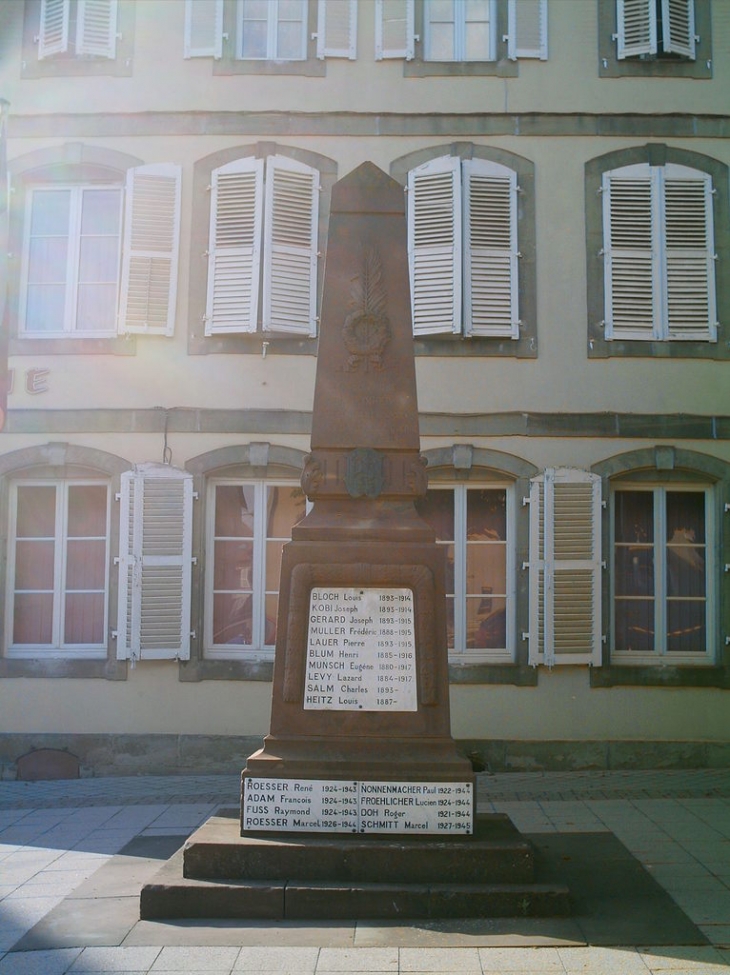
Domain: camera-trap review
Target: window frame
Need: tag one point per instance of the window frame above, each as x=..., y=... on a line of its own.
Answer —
x=611, y=66
x=230, y=62
x=459, y=343
x=273, y=23
x=70, y=329
x=254, y=461
x=258, y=649
x=459, y=654
x=500, y=65
x=655, y=178
x=653, y=154
x=66, y=462
x=156, y=185
x=464, y=464
x=120, y=66
x=661, y=656
x=669, y=466
x=255, y=342
x=58, y=648
x=459, y=14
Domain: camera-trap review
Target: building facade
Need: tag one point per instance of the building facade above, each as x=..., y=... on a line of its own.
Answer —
x=565, y=170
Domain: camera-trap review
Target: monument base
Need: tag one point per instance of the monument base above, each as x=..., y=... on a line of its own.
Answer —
x=286, y=877
x=332, y=757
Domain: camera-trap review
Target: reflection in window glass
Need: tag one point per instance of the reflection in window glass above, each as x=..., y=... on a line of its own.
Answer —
x=273, y=30
x=59, y=567
x=71, y=265
x=471, y=523
x=660, y=578
x=251, y=522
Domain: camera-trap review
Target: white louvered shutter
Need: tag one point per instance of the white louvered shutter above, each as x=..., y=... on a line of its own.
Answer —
x=53, y=32
x=96, y=28
x=203, y=28
x=394, y=29
x=689, y=254
x=291, y=212
x=150, y=253
x=490, y=250
x=234, y=249
x=636, y=23
x=155, y=560
x=527, y=29
x=337, y=29
x=678, y=27
x=434, y=245
x=631, y=257
x=565, y=568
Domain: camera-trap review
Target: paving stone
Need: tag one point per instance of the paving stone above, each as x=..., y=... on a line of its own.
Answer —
x=602, y=961
x=116, y=959
x=520, y=960
x=278, y=958
x=684, y=958
x=462, y=960
x=358, y=960
x=53, y=962
x=204, y=959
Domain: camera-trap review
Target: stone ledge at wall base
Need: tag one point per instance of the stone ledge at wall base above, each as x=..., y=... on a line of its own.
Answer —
x=119, y=755
x=286, y=876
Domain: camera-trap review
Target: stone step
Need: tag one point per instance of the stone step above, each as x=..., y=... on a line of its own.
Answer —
x=495, y=853
x=171, y=896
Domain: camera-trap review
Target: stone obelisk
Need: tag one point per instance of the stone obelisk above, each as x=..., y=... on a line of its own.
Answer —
x=360, y=693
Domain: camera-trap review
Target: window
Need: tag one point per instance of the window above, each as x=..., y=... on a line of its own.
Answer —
x=72, y=264
x=101, y=258
x=660, y=28
x=58, y=581
x=474, y=523
x=655, y=38
x=462, y=243
x=273, y=30
x=461, y=36
x=659, y=254
x=270, y=36
x=78, y=37
x=662, y=572
x=270, y=207
x=666, y=589
x=248, y=524
x=260, y=219
x=80, y=28
x=455, y=31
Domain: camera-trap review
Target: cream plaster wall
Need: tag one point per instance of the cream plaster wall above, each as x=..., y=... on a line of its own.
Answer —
x=162, y=374
x=564, y=707
x=561, y=707
x=567, y=82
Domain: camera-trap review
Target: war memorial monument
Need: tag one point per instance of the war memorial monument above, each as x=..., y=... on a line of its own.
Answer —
x=359, y=803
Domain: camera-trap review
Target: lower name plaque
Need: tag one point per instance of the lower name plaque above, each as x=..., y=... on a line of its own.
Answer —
x=344, y=806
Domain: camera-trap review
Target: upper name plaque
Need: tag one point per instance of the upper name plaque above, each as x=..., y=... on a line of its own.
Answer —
x=361, y=650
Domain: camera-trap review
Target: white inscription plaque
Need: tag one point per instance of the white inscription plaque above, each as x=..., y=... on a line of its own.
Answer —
x=361, y=650
x=334, y=806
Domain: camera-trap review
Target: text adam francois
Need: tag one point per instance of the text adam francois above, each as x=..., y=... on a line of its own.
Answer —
x=336, y=637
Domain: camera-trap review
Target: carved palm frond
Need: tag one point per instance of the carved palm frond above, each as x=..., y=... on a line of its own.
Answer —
x=368, y=293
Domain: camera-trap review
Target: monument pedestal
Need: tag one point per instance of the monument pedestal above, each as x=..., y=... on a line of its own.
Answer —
x=293, y=877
